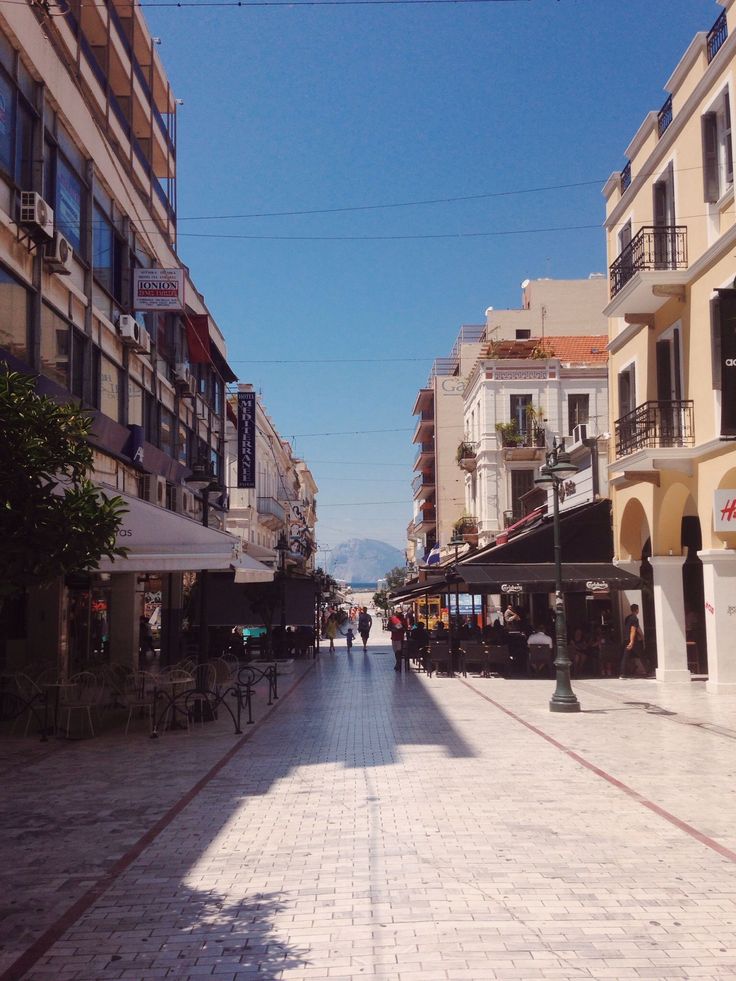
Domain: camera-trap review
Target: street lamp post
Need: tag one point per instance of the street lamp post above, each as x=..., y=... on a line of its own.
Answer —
x=201, y=480
x=557, y=468
x=282, y=547
x=450, y=575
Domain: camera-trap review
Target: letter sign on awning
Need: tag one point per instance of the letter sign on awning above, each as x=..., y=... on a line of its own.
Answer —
x=158, y=289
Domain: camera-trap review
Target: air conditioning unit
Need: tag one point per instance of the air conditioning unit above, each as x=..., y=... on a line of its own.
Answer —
x=36, y=215
x=59, y=255
x=132, y=334
x=182, y=376
x=157, y=491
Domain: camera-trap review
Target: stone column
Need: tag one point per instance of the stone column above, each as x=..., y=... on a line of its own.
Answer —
x=124, y=613
x=669, y=611
x=719, y=582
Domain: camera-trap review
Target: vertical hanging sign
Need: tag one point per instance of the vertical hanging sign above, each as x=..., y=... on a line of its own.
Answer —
x=728, y=361
x=246, y=439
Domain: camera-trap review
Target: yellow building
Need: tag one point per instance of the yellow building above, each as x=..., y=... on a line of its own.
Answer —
x=671, y=238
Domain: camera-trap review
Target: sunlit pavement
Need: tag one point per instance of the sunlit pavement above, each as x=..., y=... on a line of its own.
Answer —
x=379, y=824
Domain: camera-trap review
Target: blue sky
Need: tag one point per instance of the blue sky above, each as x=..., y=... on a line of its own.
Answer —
x=293, y=108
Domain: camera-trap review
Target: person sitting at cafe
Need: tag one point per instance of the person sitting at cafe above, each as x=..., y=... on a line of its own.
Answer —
x=511, y=618
x=579, y=650
x=540, y=638
x=440, y=631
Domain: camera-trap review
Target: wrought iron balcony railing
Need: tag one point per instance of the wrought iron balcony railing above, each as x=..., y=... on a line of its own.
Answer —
x=664, y=116
x=653, y=247
x=653, y=425
x=625, y=176
x=716, y=36
x=422, y=481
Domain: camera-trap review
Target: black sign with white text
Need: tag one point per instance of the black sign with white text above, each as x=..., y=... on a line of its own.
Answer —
x=246, y=439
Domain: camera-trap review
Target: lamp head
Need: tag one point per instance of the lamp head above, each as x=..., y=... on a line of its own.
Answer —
x=546, y=477
x=563, y=465
x=201, y=476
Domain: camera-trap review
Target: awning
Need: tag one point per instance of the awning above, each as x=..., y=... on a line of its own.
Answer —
x=159, y=540
x=539, y=577
x=408, y=593
x=231, y=603
x=248, y=569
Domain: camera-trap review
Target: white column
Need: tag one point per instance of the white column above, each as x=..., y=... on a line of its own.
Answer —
x=719, y=582
x=669, y=614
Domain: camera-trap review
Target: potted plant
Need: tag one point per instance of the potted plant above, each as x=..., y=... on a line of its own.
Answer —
x=465, y=455
x=466, y=527
x=509, y=433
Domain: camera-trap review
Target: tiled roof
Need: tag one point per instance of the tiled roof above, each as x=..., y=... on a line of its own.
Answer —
x=587, y=349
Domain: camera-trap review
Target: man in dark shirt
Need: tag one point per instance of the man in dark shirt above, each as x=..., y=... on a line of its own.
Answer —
x=633, y=640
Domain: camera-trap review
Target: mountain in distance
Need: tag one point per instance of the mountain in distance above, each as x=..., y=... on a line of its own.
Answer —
x=363, y=560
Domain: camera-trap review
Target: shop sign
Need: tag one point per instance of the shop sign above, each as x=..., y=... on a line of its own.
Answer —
x=724, y=510
x=596, y=586
x=511, y=587
x=158, y=289
x=246, y=439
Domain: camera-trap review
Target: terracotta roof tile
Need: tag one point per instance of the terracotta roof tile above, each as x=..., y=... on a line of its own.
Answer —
x=586, y=349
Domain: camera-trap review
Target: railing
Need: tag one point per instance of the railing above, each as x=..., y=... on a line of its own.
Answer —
x=269, y=505
x=654, y=425
x=653, y=247
x=664, y=116
x=97, y=69
x=426, y=415
x=534, y=437
x=716, y=36
x=116, y=20
x=422, y=480
x=625, y=177
x=120, y=115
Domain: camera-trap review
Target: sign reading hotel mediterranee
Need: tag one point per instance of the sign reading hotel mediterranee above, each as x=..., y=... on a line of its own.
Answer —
x=158, y=289
x=246, y=439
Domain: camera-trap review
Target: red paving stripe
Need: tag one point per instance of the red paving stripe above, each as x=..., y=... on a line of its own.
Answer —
x=48, y=938
x=629, y=791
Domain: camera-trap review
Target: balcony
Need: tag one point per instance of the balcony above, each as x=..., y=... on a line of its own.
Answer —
x=426, y=519
x=466, y=528
x=271, y=513
x=521, y=444
x=423, y=484
x=664, y=116
x=654, y=247
x=466, y=456
x=654, y=425
x=716, y=36
x=425, y=455
x=425, y=426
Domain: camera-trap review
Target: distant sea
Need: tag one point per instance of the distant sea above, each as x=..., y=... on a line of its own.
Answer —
x=362, y=585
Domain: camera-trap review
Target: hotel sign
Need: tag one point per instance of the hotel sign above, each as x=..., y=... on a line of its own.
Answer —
x=246, y=439
x=158, y=289
x=724, y=510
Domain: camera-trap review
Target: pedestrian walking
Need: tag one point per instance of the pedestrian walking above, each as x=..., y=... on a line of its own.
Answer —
x=397, y=629
x=365, y=622
x=145, y=637
x=331, y=631
x=349, y=637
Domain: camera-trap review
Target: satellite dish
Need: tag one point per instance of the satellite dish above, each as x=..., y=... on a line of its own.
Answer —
x=525, y=284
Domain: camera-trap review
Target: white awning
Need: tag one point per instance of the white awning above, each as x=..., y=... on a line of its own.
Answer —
x=248, y=569
x=159, y=540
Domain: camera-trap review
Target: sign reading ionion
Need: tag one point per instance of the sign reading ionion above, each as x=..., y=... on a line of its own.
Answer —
x=158, y=289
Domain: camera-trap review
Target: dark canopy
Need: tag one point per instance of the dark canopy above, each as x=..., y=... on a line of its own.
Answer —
x=231, y=604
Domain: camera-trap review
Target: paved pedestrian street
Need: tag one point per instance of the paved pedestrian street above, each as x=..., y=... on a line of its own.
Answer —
x=383, y=825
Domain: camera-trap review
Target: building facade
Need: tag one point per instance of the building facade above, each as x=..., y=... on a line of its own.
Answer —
x=519, y=396
x=96, y=303
x=671, y=231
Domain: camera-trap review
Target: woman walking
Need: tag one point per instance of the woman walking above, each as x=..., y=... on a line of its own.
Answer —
x=365, y=622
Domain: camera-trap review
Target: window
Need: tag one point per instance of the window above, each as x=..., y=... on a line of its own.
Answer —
x=626, y=390
x=16, y=133
x=167, y=432
x=183, y=445
x=109, y=388
x=717, y=150
x=68, y=204
x=108, y=255
x=520, y=405
x=135, y=404
x=522, y=481
x=14, y=320
x=523, y=335
x=578, y=411
x=63, y=352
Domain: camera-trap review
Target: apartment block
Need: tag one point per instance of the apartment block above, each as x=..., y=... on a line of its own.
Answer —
x=671, y=233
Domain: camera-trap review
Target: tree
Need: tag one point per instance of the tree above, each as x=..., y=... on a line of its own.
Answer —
x=381, y=600
x=53, y=520
x=396, y=577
